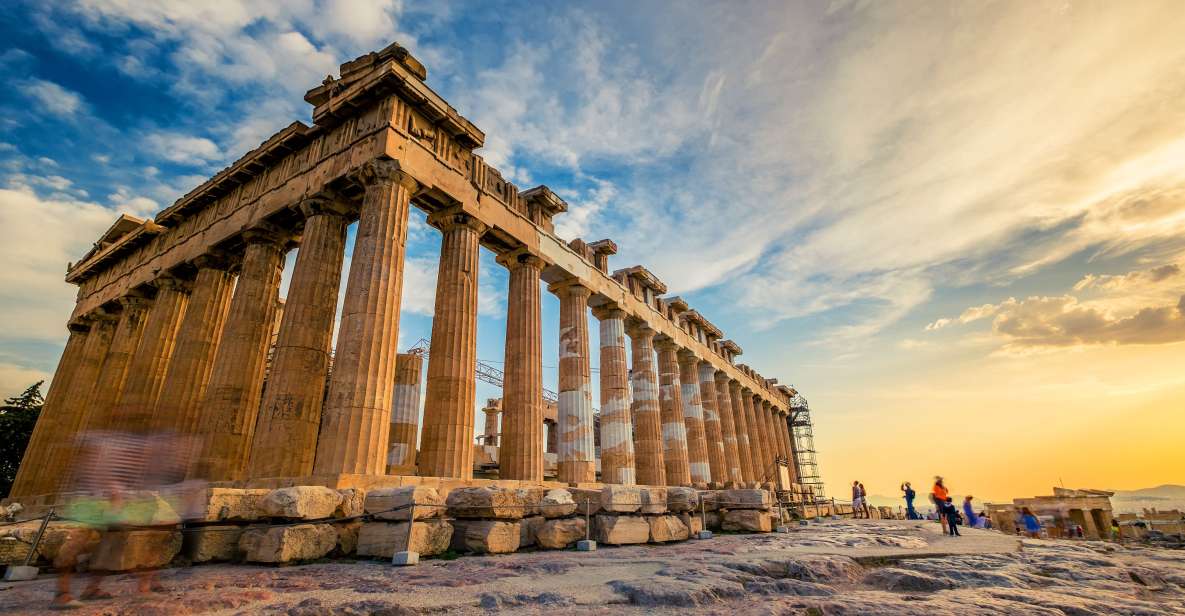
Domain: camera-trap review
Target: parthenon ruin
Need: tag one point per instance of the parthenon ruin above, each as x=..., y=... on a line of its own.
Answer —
x=176, y=329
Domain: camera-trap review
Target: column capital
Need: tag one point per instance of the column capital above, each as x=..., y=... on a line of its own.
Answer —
x=453, y=217
x=265, y=233
x=687, y=356
x=569, y=286
x=521, y=256
x=134, y=300
x=722, y=377
x=172, y=283
x=214, y=259
x=324, y=204
x=80, y=325
x=637, y=328
x=666, y=344
x=383, y=171
x=609, y=311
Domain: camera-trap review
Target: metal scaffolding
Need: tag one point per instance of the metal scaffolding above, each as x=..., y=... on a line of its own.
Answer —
x=802, y=430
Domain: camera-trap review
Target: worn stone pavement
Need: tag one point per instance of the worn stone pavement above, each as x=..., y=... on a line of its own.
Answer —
x=835, y=567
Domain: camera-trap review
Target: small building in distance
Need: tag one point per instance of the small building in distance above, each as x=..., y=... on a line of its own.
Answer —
x=1060, y=513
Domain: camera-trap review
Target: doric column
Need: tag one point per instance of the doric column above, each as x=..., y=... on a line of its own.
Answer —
x=59, y=462
x=405, y=414
x=119, y=356
x=230, y=405
x=36, y=451
x=553, y=436
x=693, y=419
x=146, y=373
x=355, y=420
x=771, y=439
x=791, y=447
x=285, y=439
x=617, y=432
x=728, y=428
x=197, y=341
x=741, y=421
x=447, y=446
x=757, y=458
x=648, y=454
x=520, y=450
x=774, y=433
x=489, y=433
x=670, y=405
x=713, y=435
x=577, y=456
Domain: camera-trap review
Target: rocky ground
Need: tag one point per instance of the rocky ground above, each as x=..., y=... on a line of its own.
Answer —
x=849, y=567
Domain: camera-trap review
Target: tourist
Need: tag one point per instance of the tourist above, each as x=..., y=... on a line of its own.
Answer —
x=938, y=495
x=973, y=521
x=910, y=513
x=857, y=500
x=864, y=501
x=1116, y=532
x=1032, y=524
x=952, y=516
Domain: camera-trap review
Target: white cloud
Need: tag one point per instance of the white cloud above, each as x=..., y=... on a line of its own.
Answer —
x=53, y=98
x=183, y=149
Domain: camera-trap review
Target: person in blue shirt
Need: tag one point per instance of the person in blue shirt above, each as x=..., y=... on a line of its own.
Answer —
x=969, y=513
x=1032, y=524
x=910, y=512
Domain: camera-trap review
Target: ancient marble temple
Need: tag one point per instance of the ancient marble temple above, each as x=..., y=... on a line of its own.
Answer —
x=178, y=327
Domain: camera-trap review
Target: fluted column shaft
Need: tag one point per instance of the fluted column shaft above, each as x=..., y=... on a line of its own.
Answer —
x=741, y=421
x=231, y=403
x=670, y=404
x=449, y=417
x=36, y=451
x=58, y=464
x=577, y=454
x=405, y=414
x=713, y=435
x=617, y=433
x=520, y=450
x=119, y=356
x=490, y=432
x=285, y=440
x=355, y=428
x=728, y=428
x=756, y=428
x=693, y=419
x=648, y=448
x=771, y=442
x=150, y=363
x=197, y=341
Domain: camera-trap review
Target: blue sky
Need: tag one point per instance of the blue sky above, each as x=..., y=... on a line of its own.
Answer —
x=921, y=214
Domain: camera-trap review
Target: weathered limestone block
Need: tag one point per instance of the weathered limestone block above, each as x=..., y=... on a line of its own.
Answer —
x=654, y=499
x=560, y=533
x=557, y=503
x=528, y=528
x=665, y=528
x=221, y=504
x=750, y=520
x=129, y=550
x=713, y=520
x=301, y=503
x=486, y=536
x=680, y=499
x=622, y=529
x=285, y=544
x=212, y=543
x=353, y=503
x=16, y=540
x=625, y=499
x=347, y=536
x=427, y=501
x=383, y=539
x=744, y=499
x=532, y=500
x=588, y=501
x=485, y=502
x=710, y=499
x=693, y=522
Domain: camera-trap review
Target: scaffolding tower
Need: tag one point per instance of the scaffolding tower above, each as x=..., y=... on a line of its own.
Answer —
x=805, y=465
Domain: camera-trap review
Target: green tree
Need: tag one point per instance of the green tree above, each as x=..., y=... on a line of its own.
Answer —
x=17, y=418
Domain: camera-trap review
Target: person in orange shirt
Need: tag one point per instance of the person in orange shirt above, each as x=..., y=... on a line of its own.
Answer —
x=939, y=494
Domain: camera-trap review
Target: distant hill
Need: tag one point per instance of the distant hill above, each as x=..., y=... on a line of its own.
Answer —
x=1168, y=496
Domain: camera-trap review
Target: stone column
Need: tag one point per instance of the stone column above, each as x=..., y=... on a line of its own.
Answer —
x=146, y=373
x=355, y=420
x=577, y=454
x=713, y=435
x=231, y=404
x=788, y=432
x=670, y=404
x=490, y=432
x=33, y=461
x=285, y=439
x=617, y=432
x=771, y=438
x=648, y=449
x=693, y=419
x=449, y=418
x=775, y=434
x=197, y=340
x=757, y=460
x=119, y=356
x=520, y=451
x=405, y=414
x=553, y=435
x=55, y=475
x=728, y=428
x=741, y=421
